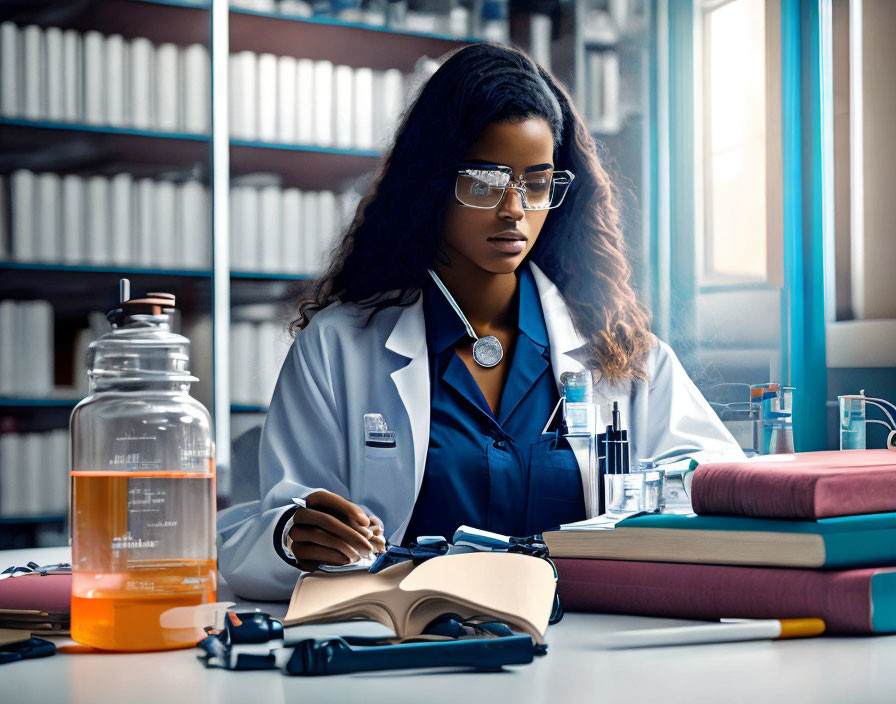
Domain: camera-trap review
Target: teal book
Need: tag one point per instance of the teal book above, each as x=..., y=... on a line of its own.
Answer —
x=837, y=543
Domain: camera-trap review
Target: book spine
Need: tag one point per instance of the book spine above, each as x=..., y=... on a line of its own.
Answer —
x=140, y=83
x=10, y=70
x=244, y=94
x=191, y=236
x=710, y=592
x=72, y=76
x=11, y=480
x=5, y=241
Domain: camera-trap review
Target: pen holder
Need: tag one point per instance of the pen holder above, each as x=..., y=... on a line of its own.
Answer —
x=648, y=491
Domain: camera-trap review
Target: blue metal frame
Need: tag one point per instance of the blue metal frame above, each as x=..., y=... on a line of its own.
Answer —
x=803, y=314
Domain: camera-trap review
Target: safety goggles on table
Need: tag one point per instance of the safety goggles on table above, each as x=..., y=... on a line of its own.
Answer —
x=484, y=186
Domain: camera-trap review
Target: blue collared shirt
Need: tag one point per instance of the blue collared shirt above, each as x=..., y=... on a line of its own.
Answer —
x=479, y=466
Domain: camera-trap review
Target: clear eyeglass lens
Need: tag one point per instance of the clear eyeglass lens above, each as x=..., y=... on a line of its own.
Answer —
x=484, y=188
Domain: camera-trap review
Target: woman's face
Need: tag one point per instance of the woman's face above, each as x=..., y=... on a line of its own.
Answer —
x=497, y=240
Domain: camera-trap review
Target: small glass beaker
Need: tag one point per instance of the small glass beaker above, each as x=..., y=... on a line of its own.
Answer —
x=852, y=422
x=623, y=492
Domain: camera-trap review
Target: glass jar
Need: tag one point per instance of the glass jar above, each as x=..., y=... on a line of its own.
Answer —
x=143, y=488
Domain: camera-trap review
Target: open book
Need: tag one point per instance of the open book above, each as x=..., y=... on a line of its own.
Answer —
x=515, y=589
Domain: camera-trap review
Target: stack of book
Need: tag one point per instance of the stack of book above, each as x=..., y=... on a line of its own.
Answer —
x=788, y=536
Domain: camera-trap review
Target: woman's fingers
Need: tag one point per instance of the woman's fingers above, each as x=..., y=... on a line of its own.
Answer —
x=312, y=517
x=310, y=555
x=312, y=535
x=335, y=505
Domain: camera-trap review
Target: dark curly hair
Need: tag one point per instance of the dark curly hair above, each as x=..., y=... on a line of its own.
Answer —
x=382, y=258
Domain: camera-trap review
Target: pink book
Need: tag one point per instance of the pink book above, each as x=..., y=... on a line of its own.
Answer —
x=849, y=601
x=808, y=485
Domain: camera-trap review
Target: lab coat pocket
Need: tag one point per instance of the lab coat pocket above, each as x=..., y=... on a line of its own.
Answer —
x=383, y=479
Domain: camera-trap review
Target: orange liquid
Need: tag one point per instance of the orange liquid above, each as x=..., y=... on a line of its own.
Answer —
x=142, y=546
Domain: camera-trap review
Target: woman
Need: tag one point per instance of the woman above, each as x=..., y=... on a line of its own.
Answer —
x=491, y=222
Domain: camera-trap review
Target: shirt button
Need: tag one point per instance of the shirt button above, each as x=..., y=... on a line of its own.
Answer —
x=500, y=444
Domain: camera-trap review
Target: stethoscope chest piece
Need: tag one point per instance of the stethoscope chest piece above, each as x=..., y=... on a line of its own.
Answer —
x=487, y=351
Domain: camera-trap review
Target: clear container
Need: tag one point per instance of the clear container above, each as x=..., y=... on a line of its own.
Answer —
x=143, y=488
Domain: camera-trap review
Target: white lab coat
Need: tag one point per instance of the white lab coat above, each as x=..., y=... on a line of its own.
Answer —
x=337, y=370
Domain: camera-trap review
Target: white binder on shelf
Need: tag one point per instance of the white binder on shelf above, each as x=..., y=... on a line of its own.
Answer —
x=267, y=98
x=322, y=104
x=5, y=243
x=286, y=100
x=245, y=233
x=243, y=95
x=328, y=224
x=343, y=112
x=140, y=96
x=55, y=74
x=310, y=231
x=23, y=211
x=145, y=250
x=34, y=472
x=271, y=228
x=305, y=101
x=167, y=230
x=363, y=108
x=10, y=70
x=292, y=224
x=121, y=218
x=168, y=79
x=98, y=250
x=93, y=76
x=48, y=218
x=115, y=70
x=8, y=350
x=243, y=362
x=193, y=225
x=73, y=224
x=72, y=76
x=196, y=87
x=35, y=73
x=11, y=480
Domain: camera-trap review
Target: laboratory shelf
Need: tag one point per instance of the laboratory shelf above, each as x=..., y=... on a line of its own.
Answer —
x=301, y=166
x=269, y=276
x=246, y=408
x=16, y=520
x=74, y=147
x=74, y=290
x=179, y=21
x=17, y=402
x=327, y=38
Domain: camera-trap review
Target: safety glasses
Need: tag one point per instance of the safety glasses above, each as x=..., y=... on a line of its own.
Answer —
x=484, y=186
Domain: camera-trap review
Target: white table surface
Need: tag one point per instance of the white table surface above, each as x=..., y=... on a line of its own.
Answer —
x=828, y=669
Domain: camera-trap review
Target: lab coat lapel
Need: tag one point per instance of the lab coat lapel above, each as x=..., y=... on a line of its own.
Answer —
x=562, y=334
x=408, y=339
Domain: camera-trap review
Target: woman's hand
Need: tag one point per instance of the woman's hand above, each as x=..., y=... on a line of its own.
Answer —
x=333, y=531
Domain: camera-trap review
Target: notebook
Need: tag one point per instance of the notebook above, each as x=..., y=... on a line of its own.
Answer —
x=845, y=541
x=806, y=485
x=515, y=589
